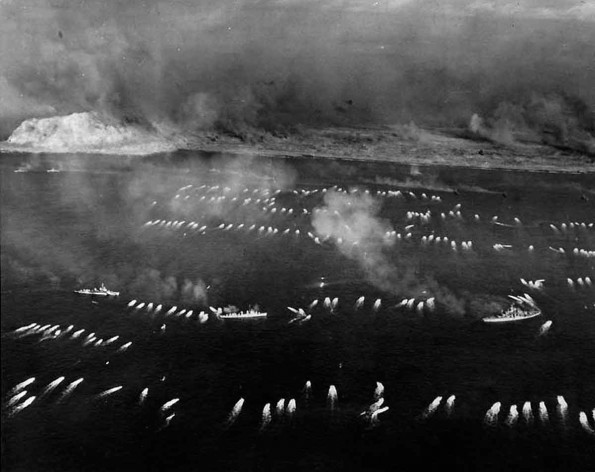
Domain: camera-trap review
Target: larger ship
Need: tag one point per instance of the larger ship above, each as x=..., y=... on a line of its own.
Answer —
x=524, y=309
x=227, y=314
x=102, y=291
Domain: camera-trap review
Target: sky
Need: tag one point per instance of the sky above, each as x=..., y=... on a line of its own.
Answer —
x=196, y=64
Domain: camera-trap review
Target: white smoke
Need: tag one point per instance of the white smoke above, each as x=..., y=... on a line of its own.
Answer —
x=352, y=222
x=85, y=132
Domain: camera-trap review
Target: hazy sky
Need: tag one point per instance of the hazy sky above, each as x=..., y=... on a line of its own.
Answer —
x=190, y=62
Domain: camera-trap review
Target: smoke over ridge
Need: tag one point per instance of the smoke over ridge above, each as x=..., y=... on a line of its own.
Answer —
x=179, y=67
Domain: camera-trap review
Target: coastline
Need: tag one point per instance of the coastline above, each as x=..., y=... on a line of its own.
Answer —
x=423, y=148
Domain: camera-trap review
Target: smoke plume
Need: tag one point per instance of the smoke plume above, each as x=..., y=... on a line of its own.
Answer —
x=351, y=221
x=178, y=67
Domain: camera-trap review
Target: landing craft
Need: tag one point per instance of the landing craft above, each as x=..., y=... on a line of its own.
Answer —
x=76, y=334
x=16, y=398
x=112, y=339
x=545, y=327
x=543, y=414
x=491, y=416
x=24, y=328
x=237, y=409
x=332, y=397
x=580, y=282
x=167, y=405
x=168, y=420
x=431, y=408
x=450, y=403
x=513, y=416
x=70, y=388
x=334, y=303
x=20, y=386
x=527, y=412
x=562, y=409
x=584, y=421
x=107, y=392
x=21, y=407
x=51, y=386
x=123, y=347
x=266, y=416
x=378, y=391
x=373, y=407
x=280, y=408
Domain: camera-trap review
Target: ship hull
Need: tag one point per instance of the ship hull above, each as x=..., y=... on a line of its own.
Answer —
x=510, y=320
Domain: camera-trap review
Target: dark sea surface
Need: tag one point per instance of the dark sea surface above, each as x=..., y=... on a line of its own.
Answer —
x=101, y=219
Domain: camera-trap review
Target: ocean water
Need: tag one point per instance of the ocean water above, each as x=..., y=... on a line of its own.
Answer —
x=118, y=221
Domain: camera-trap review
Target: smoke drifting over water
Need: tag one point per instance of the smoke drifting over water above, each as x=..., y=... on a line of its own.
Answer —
x=176, y=67
x=352, y=222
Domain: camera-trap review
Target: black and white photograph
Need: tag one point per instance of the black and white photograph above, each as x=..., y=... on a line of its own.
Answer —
x=297, y=235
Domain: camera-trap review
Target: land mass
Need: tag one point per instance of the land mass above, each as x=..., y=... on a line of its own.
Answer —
x=403, y=144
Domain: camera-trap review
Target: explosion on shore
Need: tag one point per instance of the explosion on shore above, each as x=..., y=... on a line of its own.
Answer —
x=86, y=132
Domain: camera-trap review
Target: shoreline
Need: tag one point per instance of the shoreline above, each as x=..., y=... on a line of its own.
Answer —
x=377, y=145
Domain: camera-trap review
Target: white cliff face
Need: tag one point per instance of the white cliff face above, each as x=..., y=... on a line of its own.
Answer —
x=85, y=132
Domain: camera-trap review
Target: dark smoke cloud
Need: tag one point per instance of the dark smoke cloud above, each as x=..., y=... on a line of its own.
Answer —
x=182, y=66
